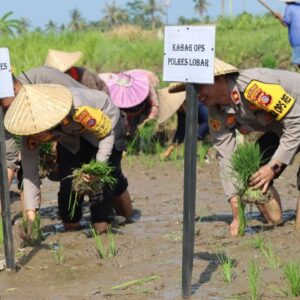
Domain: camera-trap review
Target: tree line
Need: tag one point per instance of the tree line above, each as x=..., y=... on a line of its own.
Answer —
x=148, y=14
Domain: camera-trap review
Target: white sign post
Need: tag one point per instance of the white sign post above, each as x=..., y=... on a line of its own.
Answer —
x=189, y=58
x=6, y=90
x=189, y=54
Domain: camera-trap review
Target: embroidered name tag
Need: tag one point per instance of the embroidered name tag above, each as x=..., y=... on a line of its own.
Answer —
x=269, y=97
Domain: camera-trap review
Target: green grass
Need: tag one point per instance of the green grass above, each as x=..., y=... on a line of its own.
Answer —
x=253, y=280
x=227, y=265
x=117, y=52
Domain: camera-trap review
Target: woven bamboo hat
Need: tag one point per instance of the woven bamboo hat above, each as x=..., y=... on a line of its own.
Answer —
x=169, y=103
x=62, y=60
x=220, y=68
x=37, y=108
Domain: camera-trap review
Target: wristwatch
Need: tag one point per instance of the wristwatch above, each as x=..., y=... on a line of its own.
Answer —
x=276, y=169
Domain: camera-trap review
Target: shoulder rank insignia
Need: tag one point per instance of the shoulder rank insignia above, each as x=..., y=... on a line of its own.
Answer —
x=269, y=97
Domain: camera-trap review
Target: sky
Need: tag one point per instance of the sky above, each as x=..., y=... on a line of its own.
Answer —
x=39, y=12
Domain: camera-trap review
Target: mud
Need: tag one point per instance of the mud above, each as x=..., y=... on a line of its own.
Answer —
x=153, y=245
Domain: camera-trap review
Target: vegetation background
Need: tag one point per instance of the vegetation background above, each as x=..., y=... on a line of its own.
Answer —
x=132, y=37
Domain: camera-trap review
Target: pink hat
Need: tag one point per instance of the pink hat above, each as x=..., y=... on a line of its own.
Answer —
x=129, y=88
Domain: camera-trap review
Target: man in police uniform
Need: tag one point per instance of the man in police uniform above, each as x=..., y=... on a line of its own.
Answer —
x=253, y=100
x=87, y=124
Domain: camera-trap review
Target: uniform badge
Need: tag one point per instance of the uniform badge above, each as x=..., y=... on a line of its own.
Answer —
x=215, y=125
x=230, y=120
x=93, y=120
x=235, y=96
x=243, y=130
x=269, y=97
x=66, y=121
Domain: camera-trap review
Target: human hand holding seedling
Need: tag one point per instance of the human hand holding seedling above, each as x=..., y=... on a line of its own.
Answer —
x=89, y=177
x=262, y=179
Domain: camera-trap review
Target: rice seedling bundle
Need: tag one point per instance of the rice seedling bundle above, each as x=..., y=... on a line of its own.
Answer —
x=102, y=172
x=245, y=161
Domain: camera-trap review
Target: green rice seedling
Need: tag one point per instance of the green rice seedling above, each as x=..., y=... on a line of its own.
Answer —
x=1, y=231
x=245, y=161
x=111, y=250
x=202, y=150
x=57, y=253
x=99, y=244
x=227, y=265
x=270, y=255
x=33, y=235
x=136, y=282
x=146, y=135
x=253, y=280
x=292, y=276
x=102, y=172
x=177, y=153
x=258, y=242
x=241, y=217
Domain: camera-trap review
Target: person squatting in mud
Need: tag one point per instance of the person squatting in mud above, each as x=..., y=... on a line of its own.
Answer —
x=121, y=198
x=257, y=99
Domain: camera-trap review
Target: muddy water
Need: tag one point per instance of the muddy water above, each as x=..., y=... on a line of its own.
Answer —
x=152, y=246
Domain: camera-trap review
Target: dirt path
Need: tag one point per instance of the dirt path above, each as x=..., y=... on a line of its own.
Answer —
x=152, y=246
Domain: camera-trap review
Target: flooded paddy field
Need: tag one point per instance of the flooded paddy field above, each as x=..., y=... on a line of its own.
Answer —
x=151, y=248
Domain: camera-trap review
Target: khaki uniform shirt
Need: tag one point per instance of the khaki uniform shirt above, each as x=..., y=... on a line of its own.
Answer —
x=68, y=134
x=12, y=151
x=262, y=100
x=39, y=75
x=91, y=80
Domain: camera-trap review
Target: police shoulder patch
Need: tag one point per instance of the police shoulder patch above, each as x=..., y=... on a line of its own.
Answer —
x=269, y=97
x=214, y=125
x=93, y=120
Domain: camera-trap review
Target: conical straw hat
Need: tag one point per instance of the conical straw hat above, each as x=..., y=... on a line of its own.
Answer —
x=220, y=68
x=37, y=108
x=168, y=103
x=62, y=60
x=106, y=77
x=128, y=89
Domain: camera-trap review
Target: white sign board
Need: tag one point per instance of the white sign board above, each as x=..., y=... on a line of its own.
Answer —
x=6, y=82
x=189, y=53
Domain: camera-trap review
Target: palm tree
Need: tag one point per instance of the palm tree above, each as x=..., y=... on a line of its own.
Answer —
x=201, y=6
x=77, y=21
x=23, y=25
x=151, y=8
x=51, y=27
x=114, y=14
x=7, y=25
